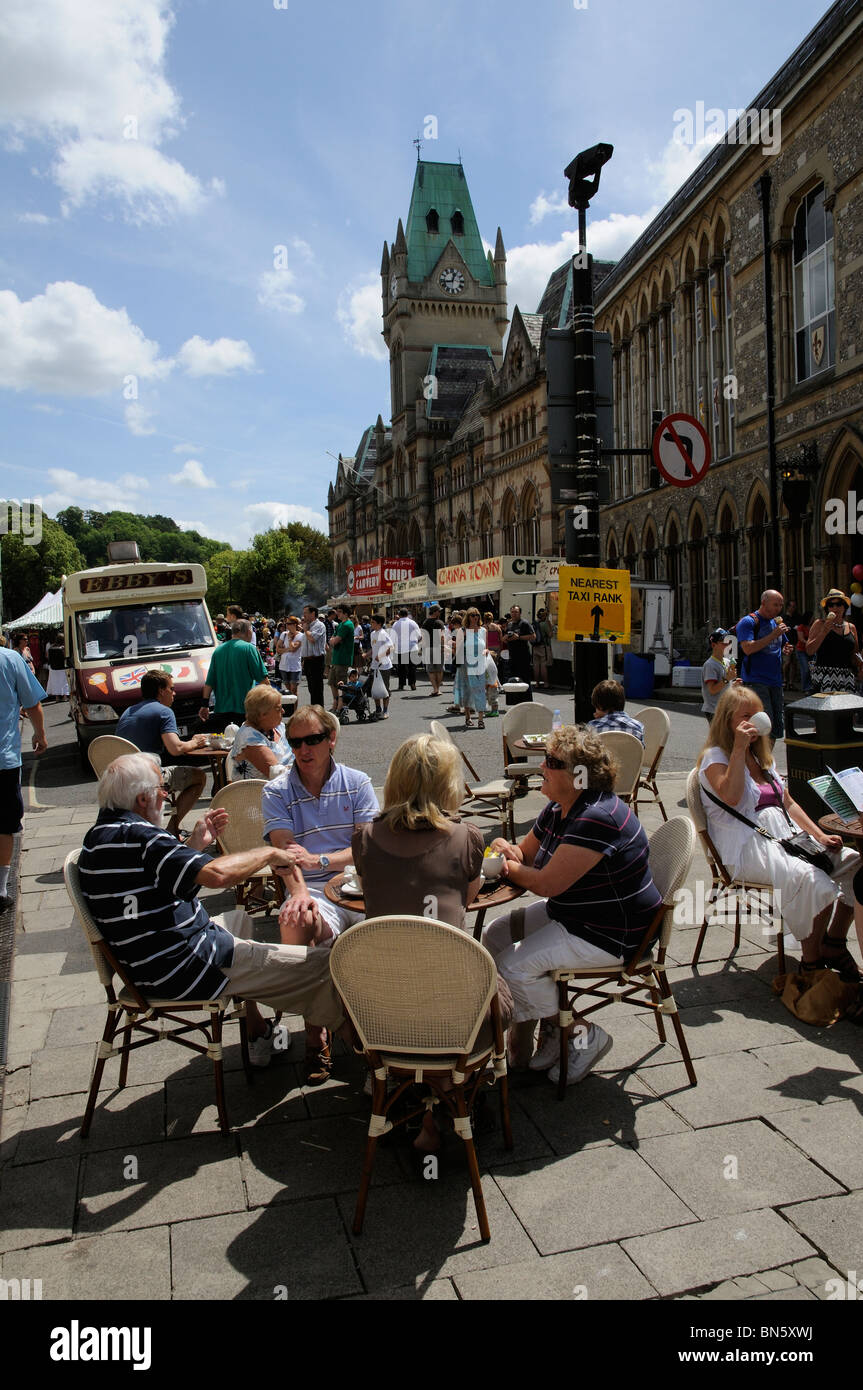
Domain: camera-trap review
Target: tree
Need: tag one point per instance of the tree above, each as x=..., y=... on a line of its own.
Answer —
x=220, y=569
x=29, y=571
x=270, y=574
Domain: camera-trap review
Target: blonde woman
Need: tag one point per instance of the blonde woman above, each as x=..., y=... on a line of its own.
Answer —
x=738, y=779
x=587, y=856
x=260, y=748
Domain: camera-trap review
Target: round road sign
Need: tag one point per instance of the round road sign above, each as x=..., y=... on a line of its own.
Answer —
x=681, y=450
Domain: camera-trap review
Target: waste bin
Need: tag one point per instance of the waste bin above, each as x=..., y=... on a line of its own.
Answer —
x=517, y=692
x=638, y=675
x=821, y=732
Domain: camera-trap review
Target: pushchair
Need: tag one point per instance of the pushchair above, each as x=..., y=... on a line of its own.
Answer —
x=353, y=697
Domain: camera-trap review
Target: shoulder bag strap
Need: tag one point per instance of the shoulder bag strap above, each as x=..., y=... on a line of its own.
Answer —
x=765, y=834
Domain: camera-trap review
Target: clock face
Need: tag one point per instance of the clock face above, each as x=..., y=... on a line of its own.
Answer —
x=394, y=287
x=452, y=281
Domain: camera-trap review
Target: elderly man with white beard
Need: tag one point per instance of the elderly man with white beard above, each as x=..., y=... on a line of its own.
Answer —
x=141, y=888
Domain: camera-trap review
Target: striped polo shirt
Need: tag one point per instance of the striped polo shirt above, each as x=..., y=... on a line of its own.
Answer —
x=139, y=884
x=615, y=901
x=321, y=824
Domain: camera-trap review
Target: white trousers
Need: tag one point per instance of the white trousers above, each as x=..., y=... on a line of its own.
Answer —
x=525, y=964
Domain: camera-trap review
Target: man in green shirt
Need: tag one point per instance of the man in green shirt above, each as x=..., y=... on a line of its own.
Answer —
x=342, y=646
x=234, y=668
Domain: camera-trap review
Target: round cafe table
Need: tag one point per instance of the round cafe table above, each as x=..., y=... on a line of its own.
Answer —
x=216, y=757
x=504, y=893
x=528, y=747
x=852, y=830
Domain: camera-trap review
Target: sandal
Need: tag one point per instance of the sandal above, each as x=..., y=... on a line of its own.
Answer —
x=838, y=957
x=480, y=724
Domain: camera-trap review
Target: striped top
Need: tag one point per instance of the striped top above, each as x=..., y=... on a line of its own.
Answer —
x=615, y=901
x=324, y=824
x=140, y=889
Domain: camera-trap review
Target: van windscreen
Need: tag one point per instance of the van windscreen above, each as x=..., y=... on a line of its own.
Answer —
x=136, y=630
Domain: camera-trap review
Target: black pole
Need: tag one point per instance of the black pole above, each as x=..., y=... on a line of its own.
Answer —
x=762, y=188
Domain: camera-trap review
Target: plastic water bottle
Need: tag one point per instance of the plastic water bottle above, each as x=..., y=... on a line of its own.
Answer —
x=556, y=721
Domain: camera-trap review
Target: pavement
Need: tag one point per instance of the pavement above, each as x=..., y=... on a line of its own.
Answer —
x=636, y=1187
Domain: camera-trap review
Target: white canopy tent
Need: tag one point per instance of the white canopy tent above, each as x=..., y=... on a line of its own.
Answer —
x=48, y=612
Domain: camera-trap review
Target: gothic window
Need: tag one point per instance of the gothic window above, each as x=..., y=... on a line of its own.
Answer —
x=649, y=547
x=758, y=548
x=729, y=584
x=673, y=550
x=508, y=526
x=612, y=552
x=533, y=422
x=457, y=223
x=529, y=528
x=485, y=536
x=398, y=394
x=432, y=221
x=697, y=572
x=814, y=316
x=442, y=549
x=631, y=557
x=462, y=542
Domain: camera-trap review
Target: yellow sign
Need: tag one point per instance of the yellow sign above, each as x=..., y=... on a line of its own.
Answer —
x=593, y=603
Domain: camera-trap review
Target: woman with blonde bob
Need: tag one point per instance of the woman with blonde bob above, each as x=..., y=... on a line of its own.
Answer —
x=417, y=847
x=587, y=856
x=260, y=748
x=736, y=771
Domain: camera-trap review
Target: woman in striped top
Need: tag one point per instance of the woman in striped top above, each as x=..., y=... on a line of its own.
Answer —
x=587, y=855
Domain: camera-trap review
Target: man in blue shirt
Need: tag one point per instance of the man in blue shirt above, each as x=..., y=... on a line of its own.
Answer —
x=313, y=810
x=761, y=637
x=19, y=689
x=152, y=727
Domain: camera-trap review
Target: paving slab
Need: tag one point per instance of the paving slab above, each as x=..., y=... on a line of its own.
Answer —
x=60, y=1071
x=77, y=1024
x=421, y=1231
x=635, y=1041
x=600, y=1108
x=37, y=1203
x=832, y=1136
x=311, y=1158
x=57, y=991
x=16, y=1085
x=600, y=1273
x=126, y=1119
x=438, y=1291
x=42, y=932
x=274, y=1097
x=11, y=1125
x=747, y=1024
x=688, y=1257
x=284, y=1253
x=768, y=1170
x=28, y=1031
x=716, y=982
x=135, y=1265
x=727, y=1090
x=834, y=1225
x=42, y=966
x=176, y=1181
x=818, y=1069
x=797, y=1295
x=601, y=1194
x=718, y=947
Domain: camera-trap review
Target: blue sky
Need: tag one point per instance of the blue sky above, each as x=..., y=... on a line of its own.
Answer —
x=196, y=195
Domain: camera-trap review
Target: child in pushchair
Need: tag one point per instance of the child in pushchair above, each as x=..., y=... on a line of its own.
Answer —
x=352, y=696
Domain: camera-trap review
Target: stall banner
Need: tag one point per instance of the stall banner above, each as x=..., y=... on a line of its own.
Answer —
x=473, y=577
x=377, y=577
x=593, y=603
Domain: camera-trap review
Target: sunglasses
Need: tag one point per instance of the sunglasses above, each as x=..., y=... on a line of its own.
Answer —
x=311, y=740
x=554, y=764
x=836, y=603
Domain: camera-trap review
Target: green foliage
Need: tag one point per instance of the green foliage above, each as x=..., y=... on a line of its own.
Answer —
x=29, y=571
x=268, y=574
x=158, y=537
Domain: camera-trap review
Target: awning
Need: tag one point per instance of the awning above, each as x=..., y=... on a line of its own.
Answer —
x=48, y=612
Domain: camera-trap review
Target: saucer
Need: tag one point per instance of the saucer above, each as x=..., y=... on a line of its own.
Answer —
x=353, y=890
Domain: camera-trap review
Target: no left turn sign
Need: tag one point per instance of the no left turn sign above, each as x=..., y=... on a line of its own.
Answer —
x=681, y=450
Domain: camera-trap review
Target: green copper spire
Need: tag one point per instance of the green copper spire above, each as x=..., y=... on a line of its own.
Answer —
x=442, y=189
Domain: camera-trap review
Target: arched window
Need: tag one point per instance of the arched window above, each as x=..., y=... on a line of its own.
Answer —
x=673, y=552
x=485, y=536
x=631, y=554
x=398, y=393
x=508, y=526
x=697, y=572
x=461, y=542
x=758, y=549
x=729, y=583
x=529, y=528
x=651, y=552
x=432, y=221
x=442, y=548
x=612, y=552
x=812, y=257
x=457, y=223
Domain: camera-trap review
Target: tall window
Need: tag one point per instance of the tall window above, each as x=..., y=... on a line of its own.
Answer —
x=508, y=526
x=432, y=221
x=462, y=541
x=457, y=223
x=697, y=572
x=814, y=316
x=631, y=554
x=651, y=553
x=673, y=550
x=442, y=549
x=485, y=536
x=729, y=584
x=758, y=549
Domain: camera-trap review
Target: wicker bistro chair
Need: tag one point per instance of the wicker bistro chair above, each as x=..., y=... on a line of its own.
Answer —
x=723, y=881
x=491, y=800
x=643, y=983
x=628, y=751
x=417, y=992
x=245, y=830
x=104, y=749
x=657, y=729
x=527, y=718
x=149, y=1017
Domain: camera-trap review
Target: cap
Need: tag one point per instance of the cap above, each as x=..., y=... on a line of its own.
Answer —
x=719, y=634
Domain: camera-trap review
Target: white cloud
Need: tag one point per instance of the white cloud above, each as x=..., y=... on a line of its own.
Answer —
x=674, y=165
x=192, y=475
x=359, y=313
x=90, y=81
x=263, y=516
x=126, y=493
x=187, y=449
x=38, y=219
x=65, y=342
x=545, y=205
x=138, y=419
x=202, y=358
x=274, y=292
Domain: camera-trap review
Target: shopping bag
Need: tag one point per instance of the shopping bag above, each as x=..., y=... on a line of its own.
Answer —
x=378, y=690
x=818, y=997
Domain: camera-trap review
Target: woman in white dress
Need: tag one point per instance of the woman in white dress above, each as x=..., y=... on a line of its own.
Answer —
x=260, y=748
x=55, y=655
x=288, y=654
x=736, y=768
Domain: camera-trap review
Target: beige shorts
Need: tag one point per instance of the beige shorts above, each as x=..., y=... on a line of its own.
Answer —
x=292, y=979
x=178, y=778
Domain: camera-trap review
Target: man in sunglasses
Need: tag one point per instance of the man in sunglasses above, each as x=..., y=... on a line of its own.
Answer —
x=313, y=811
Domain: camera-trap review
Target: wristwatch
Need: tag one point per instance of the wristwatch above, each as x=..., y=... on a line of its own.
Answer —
x=324, y=860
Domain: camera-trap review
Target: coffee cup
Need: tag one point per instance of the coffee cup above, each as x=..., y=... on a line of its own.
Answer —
x=761, y=721
x=492, y=866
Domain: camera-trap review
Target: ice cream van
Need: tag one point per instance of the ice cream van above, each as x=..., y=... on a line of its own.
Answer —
x=126, y=618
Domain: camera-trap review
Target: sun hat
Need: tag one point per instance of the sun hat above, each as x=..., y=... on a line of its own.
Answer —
x=833, y=594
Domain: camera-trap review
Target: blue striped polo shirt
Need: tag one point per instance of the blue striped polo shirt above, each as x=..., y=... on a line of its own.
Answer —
x=324, y=824
x=139, y=884
x=615, y=901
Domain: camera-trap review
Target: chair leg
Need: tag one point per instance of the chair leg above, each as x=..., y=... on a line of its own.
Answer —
x=678, y=1029
x=219, y=1074
x=563, y=1038
x=124, y=1056
x=473, y=1169
x=379, y=1100
x=700, y=942
x=780, y=949
x=660, y=805
x=737, y=920
x=244, y=1043
x=660, y=1026
x=506, y=1126
x=99, y=1067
